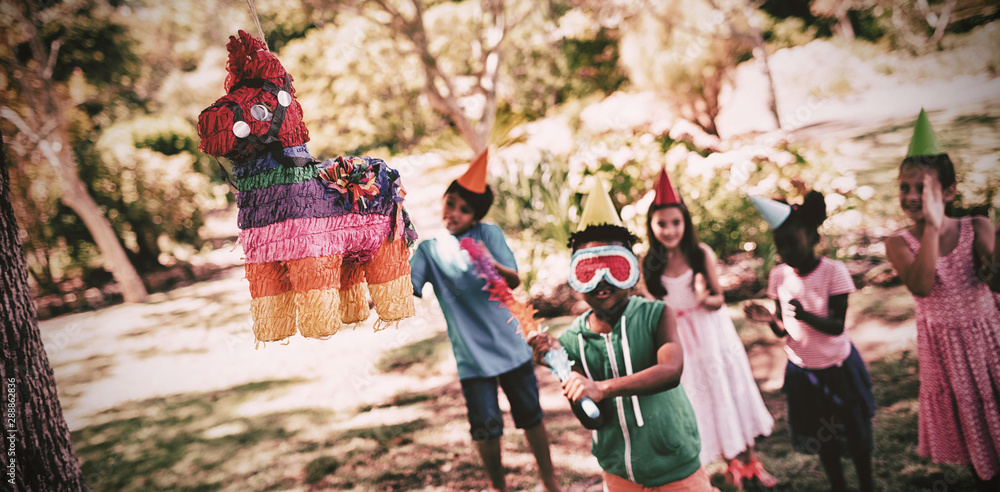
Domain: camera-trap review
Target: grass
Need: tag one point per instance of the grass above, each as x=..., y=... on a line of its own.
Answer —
x=419, y=439
x=423, y=354
x=168, y=444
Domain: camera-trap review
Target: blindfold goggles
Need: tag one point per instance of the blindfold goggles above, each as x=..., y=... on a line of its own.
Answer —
x=616, y=264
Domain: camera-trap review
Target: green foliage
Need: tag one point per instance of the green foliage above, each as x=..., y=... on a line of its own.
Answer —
x=787, y=33
x=539, y=193
x=359, y=92
x=532, y=195
x=93, y=40
x=535, y=207
x=321, y=467
x=593, y=64
x=158, y=199
x=689, y=47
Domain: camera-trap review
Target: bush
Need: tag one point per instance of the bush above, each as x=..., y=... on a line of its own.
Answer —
x=539, y=198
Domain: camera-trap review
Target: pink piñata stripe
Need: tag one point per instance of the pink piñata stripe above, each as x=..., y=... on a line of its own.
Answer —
x=304, y=238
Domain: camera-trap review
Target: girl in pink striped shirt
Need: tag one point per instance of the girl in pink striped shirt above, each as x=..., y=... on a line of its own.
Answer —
x=830, y=402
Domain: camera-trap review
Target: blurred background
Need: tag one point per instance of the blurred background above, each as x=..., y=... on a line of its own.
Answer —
x=99, y=102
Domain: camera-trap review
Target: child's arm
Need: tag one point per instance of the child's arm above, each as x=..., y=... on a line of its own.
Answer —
x=541, y=343
x=918, y=271
x=756, y=312
x=707, y=288
x=665, y=375
x=984, y=245
x=833, y=324
x=418, y=270
x=995, y=267
x=509, y=275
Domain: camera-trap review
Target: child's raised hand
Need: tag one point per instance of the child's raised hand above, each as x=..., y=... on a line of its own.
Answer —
x=933, y=201
x=756, y=312
x=700, y=285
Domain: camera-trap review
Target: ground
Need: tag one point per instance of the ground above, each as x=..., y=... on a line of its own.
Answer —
x=172, y=394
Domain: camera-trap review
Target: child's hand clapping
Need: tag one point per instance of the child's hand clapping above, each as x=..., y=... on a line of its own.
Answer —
x=800, y=313
x=700, y=287
x=933, y=202
x=756, y=312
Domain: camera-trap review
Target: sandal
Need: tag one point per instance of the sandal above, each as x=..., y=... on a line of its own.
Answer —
x=756, y=470
x=734, y=474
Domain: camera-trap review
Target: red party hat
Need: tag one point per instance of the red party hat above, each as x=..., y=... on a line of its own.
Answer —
x=666, y=194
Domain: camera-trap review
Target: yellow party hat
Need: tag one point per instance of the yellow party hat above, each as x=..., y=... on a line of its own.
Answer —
x=598, y=210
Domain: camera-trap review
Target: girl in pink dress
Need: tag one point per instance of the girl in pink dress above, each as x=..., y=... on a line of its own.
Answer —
x=958, y=323
x=717, y=377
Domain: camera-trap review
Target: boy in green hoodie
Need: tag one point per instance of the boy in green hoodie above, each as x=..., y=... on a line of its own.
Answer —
x=628, y=359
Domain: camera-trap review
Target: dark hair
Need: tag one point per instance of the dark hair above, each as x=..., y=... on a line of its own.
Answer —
x=808, y=216
x=604, y=233
x=655, y=260
x=940, y=163
x=480, y=202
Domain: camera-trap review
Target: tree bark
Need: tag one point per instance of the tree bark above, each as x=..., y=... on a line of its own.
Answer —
x=844, y=27
x=40, y=94
x=438, y=86
x=942, y=24
x=760, y=55
x=37, y=450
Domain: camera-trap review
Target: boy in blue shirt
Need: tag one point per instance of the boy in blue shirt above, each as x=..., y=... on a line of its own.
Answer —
x=487, y=348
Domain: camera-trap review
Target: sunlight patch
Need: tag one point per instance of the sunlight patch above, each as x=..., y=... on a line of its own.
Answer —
x=225, y=430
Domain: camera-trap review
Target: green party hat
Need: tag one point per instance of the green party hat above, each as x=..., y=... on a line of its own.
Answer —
x=924, y=141
x=598, y=210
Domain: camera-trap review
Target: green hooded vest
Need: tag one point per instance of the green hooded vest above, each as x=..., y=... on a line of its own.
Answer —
x=651, y=440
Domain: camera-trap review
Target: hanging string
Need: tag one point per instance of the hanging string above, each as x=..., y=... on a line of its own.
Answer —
x=256, y=20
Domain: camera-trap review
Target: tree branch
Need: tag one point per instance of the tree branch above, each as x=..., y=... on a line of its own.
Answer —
x=942, y=23
x=50, y=65
x=16, y=119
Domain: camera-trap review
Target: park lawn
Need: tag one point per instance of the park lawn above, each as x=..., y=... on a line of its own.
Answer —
x=419, y=440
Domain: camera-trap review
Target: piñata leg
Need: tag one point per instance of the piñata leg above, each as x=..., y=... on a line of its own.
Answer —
x=316, y=282
x=388, y=275
x=353, y=294
x=272, y=304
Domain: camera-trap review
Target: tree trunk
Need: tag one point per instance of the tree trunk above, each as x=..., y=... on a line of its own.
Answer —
x=38, y=90
x=438, y=86
x=844, y=27
x=760, y=55
x=75, y=196
x=37, y=451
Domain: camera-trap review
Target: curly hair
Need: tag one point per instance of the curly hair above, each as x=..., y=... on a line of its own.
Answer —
x=603, y=233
